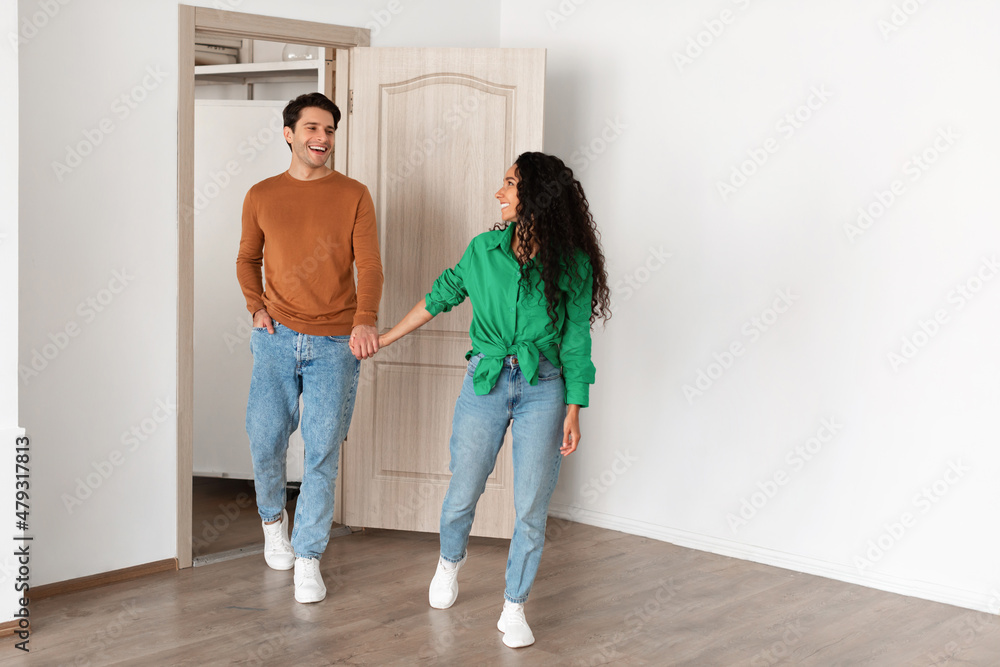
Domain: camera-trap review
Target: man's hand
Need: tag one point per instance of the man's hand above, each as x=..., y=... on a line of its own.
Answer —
x=571, y=430
x=261, y=319
x=364, y=341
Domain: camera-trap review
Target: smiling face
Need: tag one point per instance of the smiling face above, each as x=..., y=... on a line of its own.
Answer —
x=312, y=139
x=507, y=195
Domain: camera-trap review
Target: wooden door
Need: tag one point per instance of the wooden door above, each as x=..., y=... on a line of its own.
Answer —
x=431, y=134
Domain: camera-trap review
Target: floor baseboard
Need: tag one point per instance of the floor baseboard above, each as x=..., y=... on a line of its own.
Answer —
x=9, y=628
x=836, y=571
x=102, y=579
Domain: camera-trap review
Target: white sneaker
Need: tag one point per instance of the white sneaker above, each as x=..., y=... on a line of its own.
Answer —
x=444, y=585
x=516, y=633
x=278, y=553
x=309, y=586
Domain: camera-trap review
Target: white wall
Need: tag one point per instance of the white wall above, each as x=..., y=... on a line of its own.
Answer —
x=670, y=468
x=662, y=137
x=9, y=430
x=114, y=213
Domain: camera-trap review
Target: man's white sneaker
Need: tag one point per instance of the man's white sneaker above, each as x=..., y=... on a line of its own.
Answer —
x=309, y=586
x=278, y=553
x=444, y=585
x=516, y=633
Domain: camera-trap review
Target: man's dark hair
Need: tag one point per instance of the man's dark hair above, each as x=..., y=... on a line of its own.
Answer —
x=293, y=110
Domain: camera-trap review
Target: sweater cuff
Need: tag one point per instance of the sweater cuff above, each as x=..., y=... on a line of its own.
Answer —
x=364, y=318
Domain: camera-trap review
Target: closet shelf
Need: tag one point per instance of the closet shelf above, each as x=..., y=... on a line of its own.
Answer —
x=244, y=73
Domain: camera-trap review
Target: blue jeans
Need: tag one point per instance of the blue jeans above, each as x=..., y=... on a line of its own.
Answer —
x=536, y=415
x=325, y=372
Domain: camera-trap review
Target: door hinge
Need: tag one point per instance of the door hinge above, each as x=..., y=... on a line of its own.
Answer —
x=350, y=102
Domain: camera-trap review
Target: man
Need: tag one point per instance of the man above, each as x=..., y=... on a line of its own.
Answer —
x=308, y=225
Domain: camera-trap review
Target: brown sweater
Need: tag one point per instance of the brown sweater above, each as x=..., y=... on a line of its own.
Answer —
x=309, y=234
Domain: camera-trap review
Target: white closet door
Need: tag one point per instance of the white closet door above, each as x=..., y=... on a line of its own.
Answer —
x=237, y=144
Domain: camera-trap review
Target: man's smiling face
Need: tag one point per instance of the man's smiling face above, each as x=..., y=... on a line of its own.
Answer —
x=312, y=139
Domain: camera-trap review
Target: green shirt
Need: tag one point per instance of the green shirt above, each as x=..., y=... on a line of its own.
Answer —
x=510, y=319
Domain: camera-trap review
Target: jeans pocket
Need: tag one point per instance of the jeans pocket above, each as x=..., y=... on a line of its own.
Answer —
x=473, y=362
x=547, y=370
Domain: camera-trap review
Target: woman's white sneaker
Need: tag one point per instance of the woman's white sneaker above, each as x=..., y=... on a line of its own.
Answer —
x=444, y=586
x=309, y=586
x=513, y=625
x=278, y=553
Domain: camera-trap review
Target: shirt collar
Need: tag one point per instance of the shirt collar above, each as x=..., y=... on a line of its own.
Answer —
x=503, y=240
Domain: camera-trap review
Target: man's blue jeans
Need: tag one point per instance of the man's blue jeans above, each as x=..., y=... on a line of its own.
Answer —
x=325, y=372
x=536, y=415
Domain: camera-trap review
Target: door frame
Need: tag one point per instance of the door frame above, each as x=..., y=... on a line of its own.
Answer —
x=235, y=24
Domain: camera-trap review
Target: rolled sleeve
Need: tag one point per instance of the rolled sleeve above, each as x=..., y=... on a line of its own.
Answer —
x=578, y=369
x=449, y=289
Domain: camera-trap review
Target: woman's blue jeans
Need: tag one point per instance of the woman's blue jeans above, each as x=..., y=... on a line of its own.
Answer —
x=325, y=372
x=535, y=415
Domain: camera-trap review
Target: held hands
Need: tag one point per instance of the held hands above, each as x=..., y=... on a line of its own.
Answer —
x=571, y=430
x=364, y=341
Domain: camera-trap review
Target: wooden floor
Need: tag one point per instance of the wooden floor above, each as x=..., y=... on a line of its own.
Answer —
x=601, y=597
x=224, y=515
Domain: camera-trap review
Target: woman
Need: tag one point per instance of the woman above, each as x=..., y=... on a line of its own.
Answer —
x=536, y=284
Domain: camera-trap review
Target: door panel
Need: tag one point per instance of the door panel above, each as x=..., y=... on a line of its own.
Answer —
x=432, y=133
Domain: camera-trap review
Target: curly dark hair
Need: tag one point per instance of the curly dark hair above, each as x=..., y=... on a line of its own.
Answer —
x=553, y=212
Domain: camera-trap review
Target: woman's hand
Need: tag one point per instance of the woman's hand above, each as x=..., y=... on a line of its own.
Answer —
x=571, y=430
x=382, y=342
